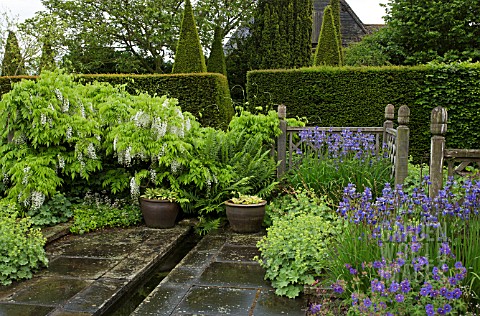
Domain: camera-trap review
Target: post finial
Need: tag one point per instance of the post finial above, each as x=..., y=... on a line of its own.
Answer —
x=439, y=118
x=403, y=115
x=282, y=111
x=389, y=112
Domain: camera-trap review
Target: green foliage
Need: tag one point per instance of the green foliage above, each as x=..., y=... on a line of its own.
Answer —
x=47, y=61
x=206, y=96
x=216, y=61
x=55, y=135
x=265, y=125
x=162, y=194
x=422, y=31
x=99, y=212
x=56, y=210
x=12, y=63
x=370, y=51
x=111, y=37
x=21, y=247
x=189, y=55
x=329, y=177
x=294, y=250
x=357, y=97
x=223, y=162
x=246, y=199
x=328, y=52
x=456, y=87
x=296, y=201
x=281, y=34
x=206, y=226
x=335, y=5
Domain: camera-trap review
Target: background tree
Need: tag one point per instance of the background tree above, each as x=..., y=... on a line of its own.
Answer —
x=189, y=54
x=370, y=51
x=328, y=48
x=281, y=34
x=227, y=14
x=424, y=30
x=47, y=60
x=216, y=60
x=13, y=63
x=137, y=36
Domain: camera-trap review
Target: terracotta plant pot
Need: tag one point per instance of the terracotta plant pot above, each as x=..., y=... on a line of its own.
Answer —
x=159, y=213
x=245, y=218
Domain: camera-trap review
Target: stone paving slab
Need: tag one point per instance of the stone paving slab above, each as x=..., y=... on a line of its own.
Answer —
x=219, y=277
x=88, y=273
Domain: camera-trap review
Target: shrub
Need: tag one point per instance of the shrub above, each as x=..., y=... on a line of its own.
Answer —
x=294, y=250
x=347, y=96
x=21, y=247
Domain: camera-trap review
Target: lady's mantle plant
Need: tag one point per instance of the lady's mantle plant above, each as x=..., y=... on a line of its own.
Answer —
x=21, y=247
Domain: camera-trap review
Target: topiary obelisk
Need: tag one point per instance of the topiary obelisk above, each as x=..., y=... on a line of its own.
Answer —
x=328, y=48
x=13, y=63
x=189, y=55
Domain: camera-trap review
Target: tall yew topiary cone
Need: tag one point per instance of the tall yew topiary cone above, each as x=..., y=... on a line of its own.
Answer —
x=47, y=60
x=189, y=55
x=216, y=61
x=328, y=48
x=13, y=63
x=336, y=21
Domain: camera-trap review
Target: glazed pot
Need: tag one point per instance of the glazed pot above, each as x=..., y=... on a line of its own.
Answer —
x=245, y=218
x=159, y=213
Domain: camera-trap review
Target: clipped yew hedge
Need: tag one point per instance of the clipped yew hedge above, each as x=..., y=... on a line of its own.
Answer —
x=205, y=95
x=348, y=96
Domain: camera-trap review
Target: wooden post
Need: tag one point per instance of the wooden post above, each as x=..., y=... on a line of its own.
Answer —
x=403, y=134
x=438, y=128
x=389, y=115
x=282, y=141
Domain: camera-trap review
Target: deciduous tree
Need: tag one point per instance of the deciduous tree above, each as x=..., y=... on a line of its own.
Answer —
x=424, y=30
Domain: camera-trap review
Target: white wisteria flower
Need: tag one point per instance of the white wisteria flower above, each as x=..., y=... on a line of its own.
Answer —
x=69, y=132
x=134, y=188
x=91, y=151
x=37, y=199
x=153, y=175
x=26, y=175
x=43, y=119
x=61, y=162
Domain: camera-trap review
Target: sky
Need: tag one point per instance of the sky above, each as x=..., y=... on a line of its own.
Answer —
x=369, y=11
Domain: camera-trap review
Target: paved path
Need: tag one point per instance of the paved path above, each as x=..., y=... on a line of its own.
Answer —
x=219, y=277
x=89, y=273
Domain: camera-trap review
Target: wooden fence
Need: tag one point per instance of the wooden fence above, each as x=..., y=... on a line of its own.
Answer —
x=395, y=141
x=457, y=160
